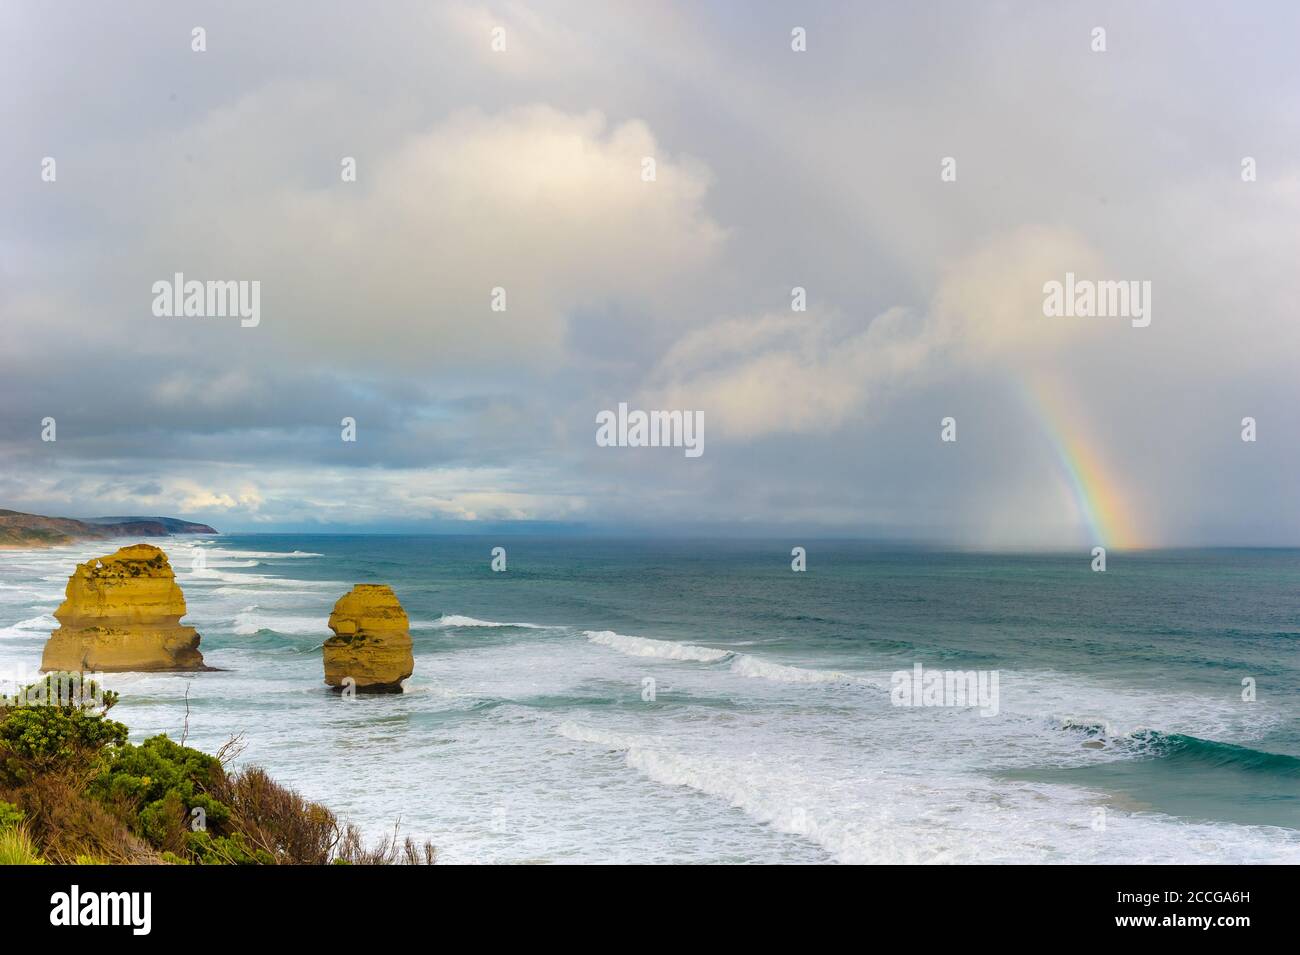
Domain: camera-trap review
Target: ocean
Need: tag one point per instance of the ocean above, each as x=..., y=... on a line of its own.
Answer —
x=660, y=701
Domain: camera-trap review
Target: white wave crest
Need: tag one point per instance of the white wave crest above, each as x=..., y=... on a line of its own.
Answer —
x=590, y=734
x=751, y=666
x=218, y=553
x=250, y=620
x=662, y=649
x=456, y=620
x=42, y=624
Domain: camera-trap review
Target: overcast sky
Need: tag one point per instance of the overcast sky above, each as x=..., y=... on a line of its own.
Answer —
x=775, y=168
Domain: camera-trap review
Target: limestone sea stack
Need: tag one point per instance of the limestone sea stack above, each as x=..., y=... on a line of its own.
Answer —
x=371, y=642
x=123, y=612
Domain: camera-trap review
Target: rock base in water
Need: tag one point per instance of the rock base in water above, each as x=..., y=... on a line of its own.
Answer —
x=371, y=647
x=122, y=613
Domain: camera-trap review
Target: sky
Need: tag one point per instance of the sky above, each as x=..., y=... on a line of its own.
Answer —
x=829, y=169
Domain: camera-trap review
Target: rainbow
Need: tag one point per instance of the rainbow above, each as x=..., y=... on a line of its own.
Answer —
x=1100, y=504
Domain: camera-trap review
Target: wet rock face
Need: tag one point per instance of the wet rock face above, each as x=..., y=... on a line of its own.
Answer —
x=371, y=642
x=122, y=613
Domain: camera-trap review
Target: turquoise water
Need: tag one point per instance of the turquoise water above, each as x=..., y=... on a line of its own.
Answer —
x=528, y=731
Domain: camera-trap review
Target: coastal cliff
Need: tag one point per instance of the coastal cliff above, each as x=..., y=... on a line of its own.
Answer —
x=35, y=530
x=122, y=613
x=371, y=642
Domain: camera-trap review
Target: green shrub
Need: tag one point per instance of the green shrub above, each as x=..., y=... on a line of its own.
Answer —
x=53, y=723
x=160, y=783
x=10, y=815
x=44, y=735
x=146, y=773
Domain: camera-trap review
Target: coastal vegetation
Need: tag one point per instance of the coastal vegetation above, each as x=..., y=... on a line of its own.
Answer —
x=73, y=790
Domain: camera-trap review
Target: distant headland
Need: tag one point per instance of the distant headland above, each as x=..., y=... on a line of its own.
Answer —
x=34, y=530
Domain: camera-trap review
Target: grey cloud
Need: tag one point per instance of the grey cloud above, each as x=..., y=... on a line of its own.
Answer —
x=776, y=169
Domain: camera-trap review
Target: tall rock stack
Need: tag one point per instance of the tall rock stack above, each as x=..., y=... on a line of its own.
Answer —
x=371, y=642
x=122, y=613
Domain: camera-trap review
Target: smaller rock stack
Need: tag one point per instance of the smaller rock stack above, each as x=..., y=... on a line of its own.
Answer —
x=371, y=642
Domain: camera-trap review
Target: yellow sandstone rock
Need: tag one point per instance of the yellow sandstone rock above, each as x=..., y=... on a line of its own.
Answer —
x=371, y=642
x=123, y=612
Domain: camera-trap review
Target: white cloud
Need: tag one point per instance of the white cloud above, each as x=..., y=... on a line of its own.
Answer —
x=398, y=268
